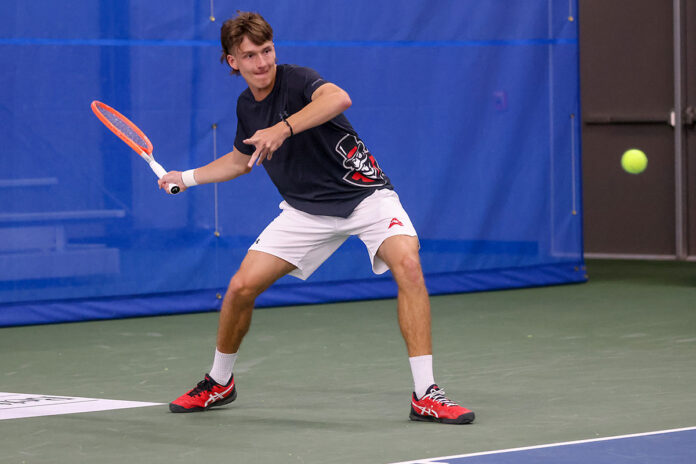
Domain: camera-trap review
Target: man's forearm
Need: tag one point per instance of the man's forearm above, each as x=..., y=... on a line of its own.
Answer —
x=225, y=168
x=326, y=106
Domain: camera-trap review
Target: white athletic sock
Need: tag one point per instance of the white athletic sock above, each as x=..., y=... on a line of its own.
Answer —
x=221, y=372
x=422, y=370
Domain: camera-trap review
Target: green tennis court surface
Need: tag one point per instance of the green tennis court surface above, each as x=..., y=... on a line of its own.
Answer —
x=331, y=384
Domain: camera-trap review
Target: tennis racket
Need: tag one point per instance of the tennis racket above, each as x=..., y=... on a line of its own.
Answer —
x=132, y=135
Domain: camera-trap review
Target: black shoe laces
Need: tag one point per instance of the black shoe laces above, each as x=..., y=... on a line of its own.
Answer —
x=439, y=396
x=204, y=385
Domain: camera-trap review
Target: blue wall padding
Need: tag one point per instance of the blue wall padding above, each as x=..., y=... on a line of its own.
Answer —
x=469, y=106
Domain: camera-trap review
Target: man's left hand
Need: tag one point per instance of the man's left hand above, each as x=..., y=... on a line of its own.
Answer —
x=267, y=141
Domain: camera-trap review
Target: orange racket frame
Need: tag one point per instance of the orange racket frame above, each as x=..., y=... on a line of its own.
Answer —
x=144, y=152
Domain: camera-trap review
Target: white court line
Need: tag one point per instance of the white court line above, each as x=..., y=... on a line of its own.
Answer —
x=550, y=445
x=22, y=405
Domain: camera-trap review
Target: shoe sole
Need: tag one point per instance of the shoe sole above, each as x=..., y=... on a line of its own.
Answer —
x=467, y=418
x=176, y=408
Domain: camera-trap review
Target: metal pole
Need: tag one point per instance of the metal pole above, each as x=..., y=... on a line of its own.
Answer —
x=681, y=249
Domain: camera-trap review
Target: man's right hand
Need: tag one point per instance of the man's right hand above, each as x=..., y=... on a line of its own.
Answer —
x=172, y=177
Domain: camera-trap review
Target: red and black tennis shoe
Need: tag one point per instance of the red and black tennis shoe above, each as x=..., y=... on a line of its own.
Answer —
x=434, y=406
x=205, y=395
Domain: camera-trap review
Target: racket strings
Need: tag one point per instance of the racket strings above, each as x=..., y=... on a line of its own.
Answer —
x=124, y=128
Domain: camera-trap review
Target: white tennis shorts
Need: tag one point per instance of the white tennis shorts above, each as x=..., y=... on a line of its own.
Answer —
x=307, y=240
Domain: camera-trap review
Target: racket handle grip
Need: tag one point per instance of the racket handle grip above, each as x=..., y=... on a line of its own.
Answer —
x=160, y=171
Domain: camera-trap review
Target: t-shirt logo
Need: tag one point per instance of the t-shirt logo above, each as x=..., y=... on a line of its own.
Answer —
x=362, y=167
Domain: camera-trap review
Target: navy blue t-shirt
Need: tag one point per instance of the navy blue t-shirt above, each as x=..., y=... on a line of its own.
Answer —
x=326, y=170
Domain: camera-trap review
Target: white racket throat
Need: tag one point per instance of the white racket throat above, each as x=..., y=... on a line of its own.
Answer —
x=159, y=170
x=146, y=157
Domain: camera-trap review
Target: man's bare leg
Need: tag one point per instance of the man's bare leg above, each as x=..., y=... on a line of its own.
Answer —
x=257, y=272
x=429, y=403
x=400, y=252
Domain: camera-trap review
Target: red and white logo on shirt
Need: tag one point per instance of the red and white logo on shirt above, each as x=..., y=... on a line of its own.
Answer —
x=362, y=167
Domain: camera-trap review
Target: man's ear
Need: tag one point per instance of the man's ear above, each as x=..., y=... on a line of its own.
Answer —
x=232, y=62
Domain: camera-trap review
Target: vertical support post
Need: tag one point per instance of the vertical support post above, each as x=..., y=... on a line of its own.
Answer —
x=679, y=183
x=216, y=206
x=573, y=174
x=215, y=187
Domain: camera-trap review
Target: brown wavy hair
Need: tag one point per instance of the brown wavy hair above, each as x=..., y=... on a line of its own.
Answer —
x=247, y=24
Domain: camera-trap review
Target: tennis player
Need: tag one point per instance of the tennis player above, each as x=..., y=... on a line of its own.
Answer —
x=290, y=120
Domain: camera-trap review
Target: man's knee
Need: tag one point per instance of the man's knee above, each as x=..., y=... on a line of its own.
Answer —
x=407, y=269
x=241, y=287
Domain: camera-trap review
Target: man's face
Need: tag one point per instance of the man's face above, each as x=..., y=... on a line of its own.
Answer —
x=256, y=64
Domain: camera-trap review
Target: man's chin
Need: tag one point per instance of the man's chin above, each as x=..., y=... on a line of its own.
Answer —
x=263, y=81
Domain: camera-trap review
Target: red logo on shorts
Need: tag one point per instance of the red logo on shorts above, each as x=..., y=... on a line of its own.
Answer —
x=395, y=222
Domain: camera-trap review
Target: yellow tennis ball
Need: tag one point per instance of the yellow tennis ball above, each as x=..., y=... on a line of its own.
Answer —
x=634, y=161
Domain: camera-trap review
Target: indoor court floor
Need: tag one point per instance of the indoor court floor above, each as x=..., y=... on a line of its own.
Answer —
x=568, y=366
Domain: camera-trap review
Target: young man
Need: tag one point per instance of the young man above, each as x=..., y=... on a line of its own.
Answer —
x=291, y=121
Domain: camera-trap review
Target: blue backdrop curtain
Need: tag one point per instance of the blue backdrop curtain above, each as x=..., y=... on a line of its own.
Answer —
x=469, y=106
